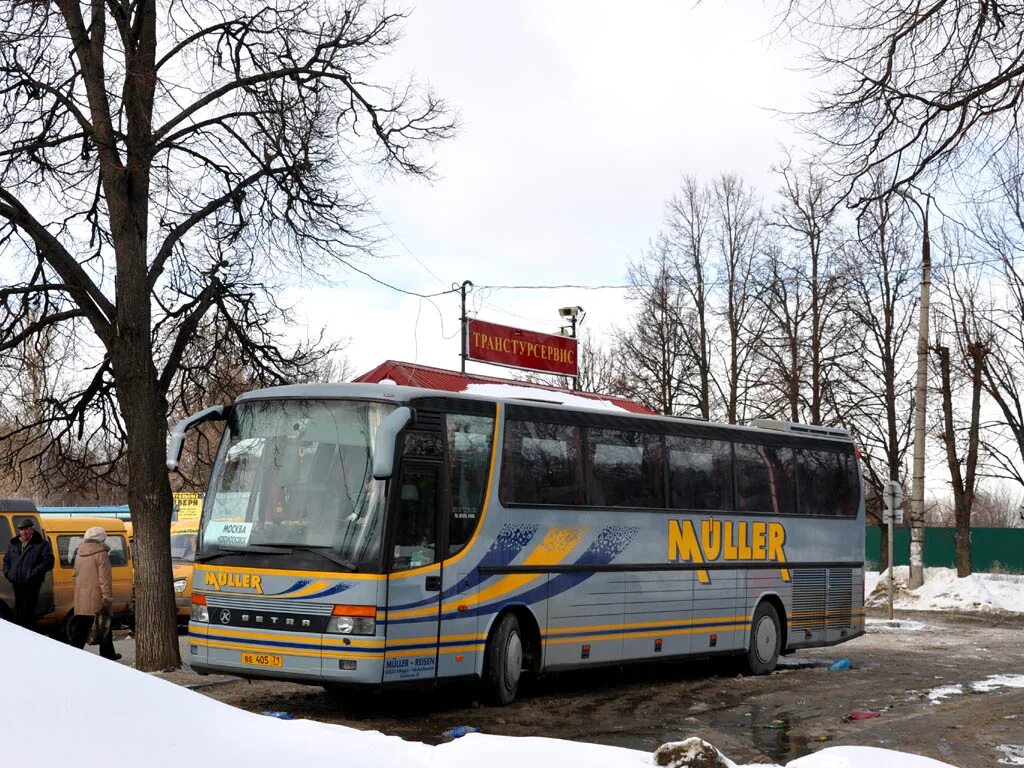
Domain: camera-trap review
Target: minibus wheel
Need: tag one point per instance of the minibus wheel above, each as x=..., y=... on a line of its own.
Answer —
x=765, y=640
x=504, y=661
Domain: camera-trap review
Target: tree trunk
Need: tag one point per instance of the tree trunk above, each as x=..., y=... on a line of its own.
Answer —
x=961, y=504
x=149, y=498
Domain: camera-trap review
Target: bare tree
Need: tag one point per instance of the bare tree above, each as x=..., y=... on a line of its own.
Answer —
x=807, y=215
x=999, y=230
x=738, y=227
x=916, y=87
x=881, y=302
x=162, y=164
x=653, y=349
x=687, y=236
x=962, y=437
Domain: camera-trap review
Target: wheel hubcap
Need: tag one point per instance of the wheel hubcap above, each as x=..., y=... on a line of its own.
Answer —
x=513, y=661
x=764, y=639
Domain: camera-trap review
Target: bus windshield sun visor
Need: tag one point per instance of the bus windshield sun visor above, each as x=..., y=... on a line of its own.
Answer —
x=384, y=446
x=177, y=440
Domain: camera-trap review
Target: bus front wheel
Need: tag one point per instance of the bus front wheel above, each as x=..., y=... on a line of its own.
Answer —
x=765, y=640
x=504, y=661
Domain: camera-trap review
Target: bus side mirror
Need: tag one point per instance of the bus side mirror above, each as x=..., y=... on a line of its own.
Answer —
x=386, y=441
x=177, y=439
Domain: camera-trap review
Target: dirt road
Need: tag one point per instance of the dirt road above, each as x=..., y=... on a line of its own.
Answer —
x=906, y=675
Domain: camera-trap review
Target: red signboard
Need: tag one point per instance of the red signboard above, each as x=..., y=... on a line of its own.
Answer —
x=514, y=347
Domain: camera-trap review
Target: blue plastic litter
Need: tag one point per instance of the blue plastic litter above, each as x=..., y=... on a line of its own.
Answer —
x=840, y=665
x=280, y=715
x=459, y=730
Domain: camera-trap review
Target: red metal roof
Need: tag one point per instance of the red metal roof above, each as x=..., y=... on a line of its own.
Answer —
x=414, y=375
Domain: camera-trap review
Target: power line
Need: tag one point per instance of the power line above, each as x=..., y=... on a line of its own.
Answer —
x=395, y=287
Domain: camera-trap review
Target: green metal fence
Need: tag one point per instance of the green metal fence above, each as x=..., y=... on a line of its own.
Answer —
x=992, y=549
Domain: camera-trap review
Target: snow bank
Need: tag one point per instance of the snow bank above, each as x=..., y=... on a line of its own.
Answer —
x=943, y=590
x=166, y=725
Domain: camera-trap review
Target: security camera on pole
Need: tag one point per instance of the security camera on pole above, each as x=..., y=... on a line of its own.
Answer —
x=892, y=498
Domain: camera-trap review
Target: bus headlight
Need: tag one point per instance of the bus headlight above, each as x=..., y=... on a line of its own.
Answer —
x=179, y=585
x=353, y=620
x=199, y=610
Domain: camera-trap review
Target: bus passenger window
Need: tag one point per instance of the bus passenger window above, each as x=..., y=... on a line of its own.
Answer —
x=828, y=484
x=541, y=464
x=765, y=479
x=700, y=473
x=625, y=469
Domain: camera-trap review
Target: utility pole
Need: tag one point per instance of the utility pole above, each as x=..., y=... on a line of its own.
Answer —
x=464, y=289
x=575, y=315
x=920, y=400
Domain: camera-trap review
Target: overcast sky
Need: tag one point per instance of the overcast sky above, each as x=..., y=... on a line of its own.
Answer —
x=578, y=121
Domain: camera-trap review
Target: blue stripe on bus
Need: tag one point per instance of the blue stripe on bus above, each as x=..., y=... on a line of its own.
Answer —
x=300, y=584
x=608, y=545
x=340, y=587
x=507, y=545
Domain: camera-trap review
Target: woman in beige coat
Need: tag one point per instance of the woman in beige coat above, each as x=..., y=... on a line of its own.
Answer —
x=93, y=592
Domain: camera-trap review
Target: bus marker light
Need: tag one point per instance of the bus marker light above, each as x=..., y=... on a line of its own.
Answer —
x=585, y=652
x=198, y=598
x=714, y=641
x=657, y=645
x=355, y=610
x=347, y=664
x=807, y=634
x=460, y=657
x=463, y=608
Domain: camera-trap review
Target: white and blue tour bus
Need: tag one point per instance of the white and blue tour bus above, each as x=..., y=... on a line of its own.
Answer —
x=372, y=534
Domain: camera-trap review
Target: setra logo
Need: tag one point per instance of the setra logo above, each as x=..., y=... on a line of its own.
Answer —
x=726, y=541
x=236, y=580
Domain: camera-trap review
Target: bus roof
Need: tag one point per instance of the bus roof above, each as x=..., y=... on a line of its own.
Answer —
x=555, y=400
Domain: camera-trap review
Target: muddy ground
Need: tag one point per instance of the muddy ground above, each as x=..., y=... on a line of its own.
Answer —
x=799, y=709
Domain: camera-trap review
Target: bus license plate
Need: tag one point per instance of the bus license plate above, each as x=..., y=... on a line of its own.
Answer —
x=262, y=659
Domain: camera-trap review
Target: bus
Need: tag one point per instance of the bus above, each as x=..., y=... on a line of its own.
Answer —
x=372, y=534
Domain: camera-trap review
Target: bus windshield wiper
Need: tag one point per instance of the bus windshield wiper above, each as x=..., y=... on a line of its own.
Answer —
x=262, y=549
x=328, y=554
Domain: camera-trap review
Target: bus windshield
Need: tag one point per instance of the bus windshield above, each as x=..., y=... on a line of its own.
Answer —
x=295, y=477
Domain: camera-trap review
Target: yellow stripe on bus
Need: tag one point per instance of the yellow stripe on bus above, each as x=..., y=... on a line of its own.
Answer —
x=283, y=650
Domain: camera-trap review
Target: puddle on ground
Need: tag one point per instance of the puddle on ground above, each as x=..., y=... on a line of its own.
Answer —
x=771, y=733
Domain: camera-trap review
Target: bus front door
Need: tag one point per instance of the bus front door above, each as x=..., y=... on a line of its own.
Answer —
x=414, y=580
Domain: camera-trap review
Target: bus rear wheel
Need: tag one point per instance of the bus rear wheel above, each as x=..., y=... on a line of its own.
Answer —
x=504, y=661
x=765, y=640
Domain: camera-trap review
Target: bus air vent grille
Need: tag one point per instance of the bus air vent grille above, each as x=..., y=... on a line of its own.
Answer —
x=428, y=421
x=809, y=589
x=840, y=597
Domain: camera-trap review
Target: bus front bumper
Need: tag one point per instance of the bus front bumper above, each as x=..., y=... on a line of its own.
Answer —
x=299, y=656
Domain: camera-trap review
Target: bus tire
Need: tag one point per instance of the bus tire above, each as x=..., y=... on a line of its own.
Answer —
x=765, y=640
x=503, y=661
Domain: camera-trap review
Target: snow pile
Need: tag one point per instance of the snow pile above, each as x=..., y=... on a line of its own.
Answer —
x=944, y=590
x=526, y=392
x=100, y=695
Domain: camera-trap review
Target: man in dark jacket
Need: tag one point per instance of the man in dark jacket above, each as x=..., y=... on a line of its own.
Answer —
x=29, y=558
